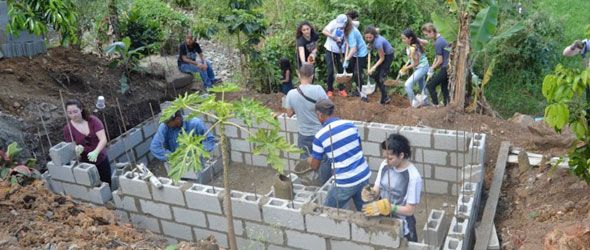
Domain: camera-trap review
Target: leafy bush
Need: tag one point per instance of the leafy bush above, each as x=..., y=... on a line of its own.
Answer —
x=141, y=30
x=14, y=171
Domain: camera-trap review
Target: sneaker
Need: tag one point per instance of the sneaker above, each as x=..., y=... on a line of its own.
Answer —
x=216, y=81
x=330, y=93
x=364, y=99
x=355, y=94
x=386, y=101
x=343, y=93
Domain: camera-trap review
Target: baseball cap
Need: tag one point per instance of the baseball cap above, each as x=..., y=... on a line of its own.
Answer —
x=341, y=20
x=324, y=106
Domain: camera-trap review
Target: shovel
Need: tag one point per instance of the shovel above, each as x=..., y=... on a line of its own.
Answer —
x=368, y=88
x=344, y=77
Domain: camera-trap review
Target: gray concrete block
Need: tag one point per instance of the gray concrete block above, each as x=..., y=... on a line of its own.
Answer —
x=362, y=129
x=75, y=191
x=324, y=225
x=260, y=161
x=304, y=240
x=115, y=148
x=142, y=148
x=170, y=240
x=282, y=213
x=204, y=198
x=245, y=206
x=424, y=169
x=63, y=172
x=201, y=233
x=451, y=140
x=469, y=188
x=371, y=149
x=62, y=153
x=437, y=157
x=465, y=207
x=155, y=209
x=189, y=217
x=86, y=174
x=177, y=230
x=446, y=174
x=374, y=162
x=435, y=229
x=232, y=132
x=150, y=128
x=219, y=223
x=472, y=173
x=477, y=149
x=100, y=195
x=265, y=233
x=50, y=184
x=131, y=184
x=378, y=132
x=132, y=138
x=459, y=228
x=244, y=243
x=457, y=159
x=236, y=156
x=452, y=244
x=275, y=247
x=383, y=234
x=343, y=244
x=146, y=222
x=169, y=193
x=239, y=145
x=123, y=202
x=418, y=137
x=122, y=216
x=288, y=124
x=435, y=187
x=418, y=246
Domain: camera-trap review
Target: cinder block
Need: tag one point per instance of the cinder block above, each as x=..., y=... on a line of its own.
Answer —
x=322, y=224
x=260, y=161
x=62, y=153
x=446, y=174
x=116, y=148
x=418, y=246
x=453, y=244
x=374, y=162
x=204, y=198
x=343, y=244
x=304, y=240
x=170, y=240
x=177, y=230
x=155, y=209
x=245, y=206
x=264, y=233
x=434, y=157
x=149, y=223
x=61, y=172
x=201, y=233
x=131, y=184
x=169, y=193
x=378, y=132
x=142, y=148
x=465, y=207
x=457, y=159
x=372, y=149
x=122, y=216
x=100, y=195
x=291, y=123
x=190, y=217
x=435, y=229
x=387, y=233
x=122, y=202
x=435, y=187
x=132, y=138
x=219, y=223
x=477, y=149
x=282, y=213
x=75, y=191
x=424, y=169
x=304, y=196
x=249, y=243
x=50, y=184
x=362, y=129
x=232, y=132
x=472, y=173
x=236, y=156
x=418, y=137
x=239, y=145
x=451, y=140
x=150, y=128
x=275, y=247
x=87, y=175
x=459, y=228
x=469, y=188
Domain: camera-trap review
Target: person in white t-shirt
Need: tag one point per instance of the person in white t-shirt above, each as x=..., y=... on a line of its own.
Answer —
x=398, y=186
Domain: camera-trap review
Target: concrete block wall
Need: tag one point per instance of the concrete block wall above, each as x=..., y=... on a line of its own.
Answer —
x=135, y=144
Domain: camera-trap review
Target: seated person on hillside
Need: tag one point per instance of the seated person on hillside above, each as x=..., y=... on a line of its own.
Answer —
x=579, y=48
x=188, y=63
x=165, y=140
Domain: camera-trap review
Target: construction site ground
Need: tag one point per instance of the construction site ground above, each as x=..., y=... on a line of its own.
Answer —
x=538, y=208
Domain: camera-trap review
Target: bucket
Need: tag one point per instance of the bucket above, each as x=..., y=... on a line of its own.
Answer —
x=307, y=176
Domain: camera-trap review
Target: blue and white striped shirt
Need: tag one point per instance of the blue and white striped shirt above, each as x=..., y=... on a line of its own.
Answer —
x=344, y=149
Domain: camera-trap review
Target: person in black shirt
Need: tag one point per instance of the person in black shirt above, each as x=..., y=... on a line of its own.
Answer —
x=188, y=63
x=307, y=43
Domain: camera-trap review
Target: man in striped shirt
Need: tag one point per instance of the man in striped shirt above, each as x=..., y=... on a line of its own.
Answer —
x=339, y=140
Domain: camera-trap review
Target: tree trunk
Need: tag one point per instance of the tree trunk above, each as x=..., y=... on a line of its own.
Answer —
x=114, y=20
x=227, y=196
x=460, y=72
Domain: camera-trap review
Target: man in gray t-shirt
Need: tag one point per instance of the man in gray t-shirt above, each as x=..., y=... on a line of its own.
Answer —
x=301, y=101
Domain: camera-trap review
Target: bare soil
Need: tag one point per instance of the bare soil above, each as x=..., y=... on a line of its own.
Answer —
x=248, y=178
x=31, y=90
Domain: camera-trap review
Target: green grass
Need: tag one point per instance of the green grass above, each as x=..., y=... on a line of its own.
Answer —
x=507, y=98
x=573, y=14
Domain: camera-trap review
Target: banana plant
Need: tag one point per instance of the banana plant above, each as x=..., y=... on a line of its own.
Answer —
x=128, y=59
x=241, y=114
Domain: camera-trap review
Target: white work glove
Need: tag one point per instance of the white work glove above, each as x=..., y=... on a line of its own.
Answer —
x=430, y=73
x=79, y=149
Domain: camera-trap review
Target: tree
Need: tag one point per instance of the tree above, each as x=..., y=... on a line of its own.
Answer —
x=190, y=150
x=37, y=16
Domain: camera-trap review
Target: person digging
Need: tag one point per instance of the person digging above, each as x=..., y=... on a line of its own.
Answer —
x=398, y=186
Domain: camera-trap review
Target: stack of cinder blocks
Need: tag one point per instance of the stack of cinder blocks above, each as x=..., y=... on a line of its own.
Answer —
x=461, y=230
x=134, y=145
x=81, y=181
x=193, y=211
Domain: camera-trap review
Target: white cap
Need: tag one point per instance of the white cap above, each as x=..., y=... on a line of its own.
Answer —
x=341, y=20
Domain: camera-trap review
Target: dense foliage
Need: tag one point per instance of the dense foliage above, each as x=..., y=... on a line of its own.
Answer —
x=38, y=17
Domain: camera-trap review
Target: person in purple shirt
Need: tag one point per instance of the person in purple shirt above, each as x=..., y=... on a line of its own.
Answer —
x=380, y=69
x=87, y=131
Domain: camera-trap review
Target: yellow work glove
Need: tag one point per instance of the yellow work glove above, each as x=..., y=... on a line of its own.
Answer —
x=368, y=195
x=375, y=208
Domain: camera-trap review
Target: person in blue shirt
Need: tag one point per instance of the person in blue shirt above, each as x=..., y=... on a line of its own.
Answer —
x=164, y=141
x=356, y=56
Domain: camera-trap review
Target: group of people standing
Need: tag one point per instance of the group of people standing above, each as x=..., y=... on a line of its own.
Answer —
x=347, y=50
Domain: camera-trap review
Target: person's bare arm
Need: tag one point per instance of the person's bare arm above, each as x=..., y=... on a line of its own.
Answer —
x=415, y=58
x=407, y=210
x=290, y=112
x=102, y=140
x=188, y=60
x=437, y=62
x=301, y=52
x=423, y=42
x=381, y=54
x=313, y=163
